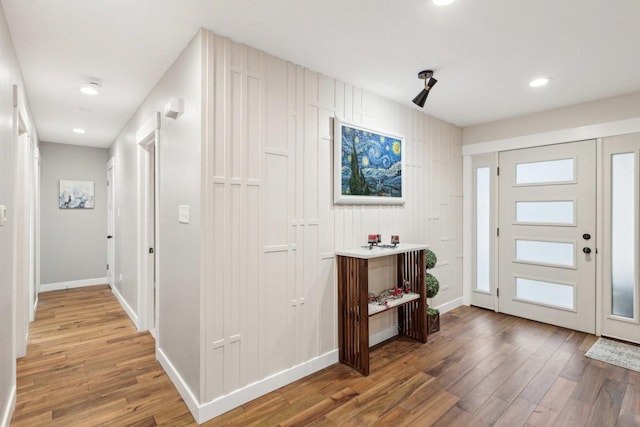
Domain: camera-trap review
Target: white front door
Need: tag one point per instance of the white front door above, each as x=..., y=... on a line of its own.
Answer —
x=547, y=228
x=621, y=287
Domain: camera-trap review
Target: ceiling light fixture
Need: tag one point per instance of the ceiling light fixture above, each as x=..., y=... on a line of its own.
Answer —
x=539, y=82
x=429, y=82
x=442, y=2
x=79, y=130
x=91, y=87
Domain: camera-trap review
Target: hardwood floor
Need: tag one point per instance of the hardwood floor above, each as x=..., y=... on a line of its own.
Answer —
x=86, y=365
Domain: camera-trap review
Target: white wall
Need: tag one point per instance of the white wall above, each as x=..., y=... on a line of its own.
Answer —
x=73, y=241
x=247, y=288
x=578, y=116
x=9, y=76
x=179, y=246
x=270, y=299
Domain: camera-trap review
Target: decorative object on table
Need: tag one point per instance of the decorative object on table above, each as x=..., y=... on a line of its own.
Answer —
x=76, y=194
x=368, y=165
x=383, y=297
x=433, y=287
x=395, y=239
x=374, y=240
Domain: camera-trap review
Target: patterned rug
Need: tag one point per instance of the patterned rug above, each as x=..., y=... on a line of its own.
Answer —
x=616, y=353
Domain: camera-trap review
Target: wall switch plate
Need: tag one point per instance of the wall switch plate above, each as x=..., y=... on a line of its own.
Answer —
x=3, y=215
x=183, y=214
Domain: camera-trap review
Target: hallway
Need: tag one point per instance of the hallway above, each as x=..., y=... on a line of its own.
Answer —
x=87, y=365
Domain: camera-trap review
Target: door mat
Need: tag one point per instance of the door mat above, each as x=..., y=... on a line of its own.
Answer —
x=616, y=353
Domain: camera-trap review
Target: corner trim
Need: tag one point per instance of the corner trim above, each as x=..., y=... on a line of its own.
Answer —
x=7, y=412
x=220, y=405
x=73, y=284
x=127, y=308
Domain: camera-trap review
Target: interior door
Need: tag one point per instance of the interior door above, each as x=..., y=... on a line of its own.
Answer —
x=621, y=195
x=110, y=225
x=547, y=225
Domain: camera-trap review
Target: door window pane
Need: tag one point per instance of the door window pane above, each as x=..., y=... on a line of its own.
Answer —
x=623, y=234
x=483, y=232
x=560, y=212
x=541, y=252
x=548, y=293
x=544, y=172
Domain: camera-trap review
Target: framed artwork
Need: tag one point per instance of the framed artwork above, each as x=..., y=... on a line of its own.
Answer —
x=76, y=194
x=368, y=165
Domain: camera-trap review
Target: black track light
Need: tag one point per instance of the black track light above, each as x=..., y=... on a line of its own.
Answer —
x=421, y=98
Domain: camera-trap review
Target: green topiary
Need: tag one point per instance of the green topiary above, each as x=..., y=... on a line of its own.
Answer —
x=433, y=286
x=432, y=311
x=430, y=259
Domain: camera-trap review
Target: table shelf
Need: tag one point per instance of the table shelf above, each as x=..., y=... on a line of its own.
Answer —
x=375, y=308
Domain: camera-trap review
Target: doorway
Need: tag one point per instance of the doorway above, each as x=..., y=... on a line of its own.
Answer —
x=148, y=139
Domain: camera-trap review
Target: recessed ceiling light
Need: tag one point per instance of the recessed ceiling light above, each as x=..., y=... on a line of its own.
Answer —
x=79, y=130
x=91, y=87
x=539, y=82
x=442, y=2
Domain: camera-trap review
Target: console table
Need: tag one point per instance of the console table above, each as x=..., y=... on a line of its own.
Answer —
x=354, y=309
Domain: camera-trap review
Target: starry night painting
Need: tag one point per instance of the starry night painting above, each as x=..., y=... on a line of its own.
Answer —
x=370, y=165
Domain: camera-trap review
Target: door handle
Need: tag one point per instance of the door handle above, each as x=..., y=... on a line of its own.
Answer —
x=586, y=250
x=109, y=237
x=586, y=236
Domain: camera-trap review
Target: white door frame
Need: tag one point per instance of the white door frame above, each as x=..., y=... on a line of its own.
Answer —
x=148, y=137
x=23, y=236
x=596, y=131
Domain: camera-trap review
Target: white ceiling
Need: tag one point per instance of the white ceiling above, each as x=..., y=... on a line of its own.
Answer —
x=483, y=53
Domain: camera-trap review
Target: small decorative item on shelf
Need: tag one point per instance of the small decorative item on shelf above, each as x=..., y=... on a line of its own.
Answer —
x=395, y=239
x=373, y=240
x=433, y=286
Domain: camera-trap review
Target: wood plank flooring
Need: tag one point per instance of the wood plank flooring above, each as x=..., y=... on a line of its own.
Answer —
x=86, y=365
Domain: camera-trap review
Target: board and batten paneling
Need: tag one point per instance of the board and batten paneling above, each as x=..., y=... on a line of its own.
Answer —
x=270, y=294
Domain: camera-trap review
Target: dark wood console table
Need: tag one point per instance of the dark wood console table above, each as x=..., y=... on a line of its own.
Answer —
x=354, y=309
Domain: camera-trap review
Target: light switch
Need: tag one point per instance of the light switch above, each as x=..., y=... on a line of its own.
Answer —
x=3, y=215
x=183, y=214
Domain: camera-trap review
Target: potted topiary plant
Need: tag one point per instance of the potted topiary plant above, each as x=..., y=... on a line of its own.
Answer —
x=433, y=286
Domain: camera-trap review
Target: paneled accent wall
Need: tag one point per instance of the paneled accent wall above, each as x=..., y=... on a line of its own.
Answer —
x=269, y=283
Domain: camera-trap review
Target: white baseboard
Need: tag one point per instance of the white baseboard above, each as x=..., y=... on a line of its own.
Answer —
x=73, y=284
x=187, y=395
x=448, y=306
x=383, y=335
x=126, y=307
x=7, y=411
x=222, y=404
